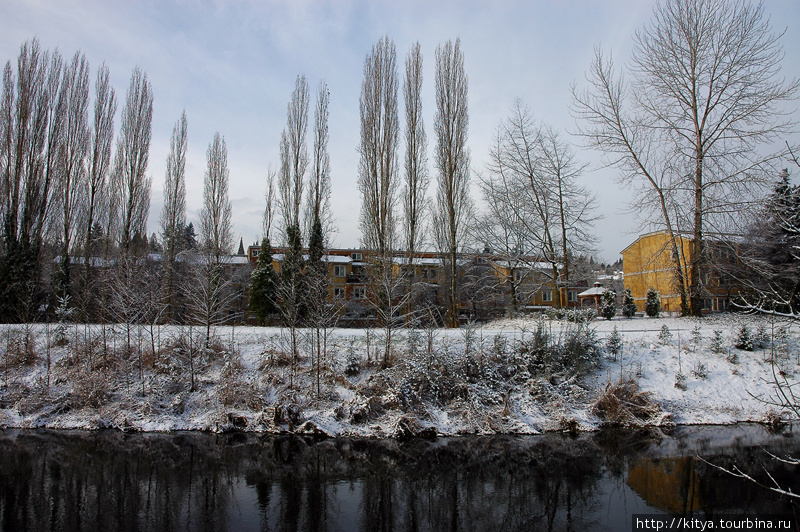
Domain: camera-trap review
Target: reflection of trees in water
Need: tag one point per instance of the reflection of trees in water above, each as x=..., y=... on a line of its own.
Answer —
x=115, y=481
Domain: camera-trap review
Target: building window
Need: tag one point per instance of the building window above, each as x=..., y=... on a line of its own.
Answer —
x=340, y=271
x=572, y=296
x=355, y=256
x=359, y=292
x=547, y=296
x=255, y=252
x=338, y=293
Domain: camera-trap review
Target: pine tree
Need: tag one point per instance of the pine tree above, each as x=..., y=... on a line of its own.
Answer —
x=189, y=237
x=614, y=343
x=652, y=305
x=628, y=304
x=608, y=304
x=263, y=285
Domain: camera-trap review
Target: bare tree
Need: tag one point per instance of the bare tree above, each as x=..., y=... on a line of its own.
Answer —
x=32, y=128
x=453, y=203
x=74, y=104
x=377, y=169
x=294, y=155
x=705, y=97
x=131, y=186
x=215, y=218
x=417, y=178
x=294, y=162
x=533, y=190
x=319, y=182
x=378, y=175
x=269, y=210
x=173, y=217
x=102, y=137
x=507, y=239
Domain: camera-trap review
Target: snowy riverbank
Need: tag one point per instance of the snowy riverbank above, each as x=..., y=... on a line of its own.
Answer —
x=476, y=380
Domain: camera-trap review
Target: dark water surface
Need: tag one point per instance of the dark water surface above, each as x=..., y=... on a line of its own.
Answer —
x=108, y=481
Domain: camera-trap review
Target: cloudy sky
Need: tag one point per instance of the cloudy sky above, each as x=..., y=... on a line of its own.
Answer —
x=232, y=65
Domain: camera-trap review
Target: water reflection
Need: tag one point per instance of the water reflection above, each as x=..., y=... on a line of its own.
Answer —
x=113, y=481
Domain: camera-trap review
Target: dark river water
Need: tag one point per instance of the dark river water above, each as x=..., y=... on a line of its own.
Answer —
x=112, y=481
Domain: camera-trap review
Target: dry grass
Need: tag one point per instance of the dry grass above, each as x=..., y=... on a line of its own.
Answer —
x=623, y=403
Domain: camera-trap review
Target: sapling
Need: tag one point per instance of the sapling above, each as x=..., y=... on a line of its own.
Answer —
x=665, y=336
x=744, y=339
x=614, y=343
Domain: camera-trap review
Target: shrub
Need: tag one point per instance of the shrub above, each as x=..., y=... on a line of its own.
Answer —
x=700, y=371
x=680, y=381
x=652, y=306
x=19, y=349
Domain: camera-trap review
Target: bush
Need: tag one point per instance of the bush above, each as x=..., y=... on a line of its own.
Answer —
x=700, y=371
x=572, y=315
x=652, y=306
x=18, y=348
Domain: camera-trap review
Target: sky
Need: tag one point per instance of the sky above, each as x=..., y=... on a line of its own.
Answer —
x=232, y=65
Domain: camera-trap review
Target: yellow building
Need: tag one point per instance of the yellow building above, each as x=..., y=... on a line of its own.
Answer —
x=650, y=262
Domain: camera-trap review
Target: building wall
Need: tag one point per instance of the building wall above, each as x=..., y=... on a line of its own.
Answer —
x=648, y=262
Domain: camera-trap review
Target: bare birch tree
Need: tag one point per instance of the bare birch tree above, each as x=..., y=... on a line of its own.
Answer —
x=417, y=178
x=453, y=202
x=131, y=186
x=705, y=97
x=173, y=216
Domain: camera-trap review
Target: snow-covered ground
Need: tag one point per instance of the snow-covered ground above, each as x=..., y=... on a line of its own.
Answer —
x=473, y=380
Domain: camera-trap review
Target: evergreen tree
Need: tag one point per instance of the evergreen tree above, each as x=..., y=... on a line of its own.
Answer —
x=608, y=304
x=293, y=300
x=772, y=257
x=628, y=304
x=652, y=305
x=189, y=237
x=614, y=343
x=264, y=285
